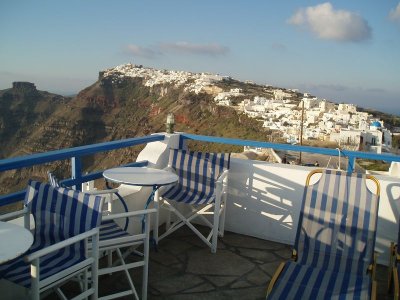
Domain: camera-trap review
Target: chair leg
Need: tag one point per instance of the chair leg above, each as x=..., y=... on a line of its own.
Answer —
x=128, y=276
x=373, y=292
x=35, y=271
x=396, y=284
x=156, y=219
x=217, y=208
x=222, y=219
x=146, y=259
x=215, y=229
x=275, y=278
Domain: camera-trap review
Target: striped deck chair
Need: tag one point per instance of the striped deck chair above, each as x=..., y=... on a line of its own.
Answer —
x=202, y=186
x=64, y=221
x=394, y=268
x=334, y=246
x=113, y=238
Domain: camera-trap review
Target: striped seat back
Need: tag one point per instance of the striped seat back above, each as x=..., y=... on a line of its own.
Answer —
x=197, y=172
x=337, y=223
x=61, y=213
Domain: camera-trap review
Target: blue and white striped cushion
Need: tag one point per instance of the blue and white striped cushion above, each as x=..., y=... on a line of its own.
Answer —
x=335, y=241
x=299, y=281
x=338, y=223
x=110, y=230
x=59, y=214
x=197, y=174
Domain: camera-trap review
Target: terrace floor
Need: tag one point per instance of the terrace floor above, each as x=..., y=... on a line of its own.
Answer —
x=184, y=268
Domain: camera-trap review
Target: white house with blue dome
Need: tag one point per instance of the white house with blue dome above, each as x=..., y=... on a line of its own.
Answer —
x=376, y=139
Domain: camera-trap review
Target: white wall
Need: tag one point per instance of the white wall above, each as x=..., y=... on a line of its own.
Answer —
x=264, y=199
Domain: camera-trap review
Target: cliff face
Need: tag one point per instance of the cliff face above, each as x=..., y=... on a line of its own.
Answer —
x=22, y=110
x=115, y=107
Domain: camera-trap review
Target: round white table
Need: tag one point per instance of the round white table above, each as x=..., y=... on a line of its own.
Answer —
x=142, y=176
x=15, y=241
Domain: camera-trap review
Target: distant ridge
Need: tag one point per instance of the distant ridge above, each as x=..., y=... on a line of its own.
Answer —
x=126, y=101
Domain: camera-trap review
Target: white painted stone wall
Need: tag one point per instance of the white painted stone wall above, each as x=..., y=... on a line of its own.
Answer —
x=264, y=199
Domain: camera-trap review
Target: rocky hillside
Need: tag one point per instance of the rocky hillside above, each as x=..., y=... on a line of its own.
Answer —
x=23, y=109
x=126, y=101
x=123, y=103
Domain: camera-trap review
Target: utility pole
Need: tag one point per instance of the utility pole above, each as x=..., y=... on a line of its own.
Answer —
x=301, y=128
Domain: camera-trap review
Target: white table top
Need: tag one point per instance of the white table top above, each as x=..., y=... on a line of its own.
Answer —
x=140, y=176
x=15, y=240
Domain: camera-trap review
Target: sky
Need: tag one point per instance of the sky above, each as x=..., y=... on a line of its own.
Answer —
x=342, y=51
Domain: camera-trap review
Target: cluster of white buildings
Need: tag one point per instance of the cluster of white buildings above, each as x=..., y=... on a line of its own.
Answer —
x=322, y=120
x=194, y=82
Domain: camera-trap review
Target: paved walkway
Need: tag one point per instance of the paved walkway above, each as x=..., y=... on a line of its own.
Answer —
x=184, y=268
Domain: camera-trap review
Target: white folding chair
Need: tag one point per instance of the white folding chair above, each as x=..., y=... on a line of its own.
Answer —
x=64, y=222
x=202, y=187
x=114, y=238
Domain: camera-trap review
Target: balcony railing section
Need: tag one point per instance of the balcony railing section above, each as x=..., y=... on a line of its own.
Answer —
x=76, y=154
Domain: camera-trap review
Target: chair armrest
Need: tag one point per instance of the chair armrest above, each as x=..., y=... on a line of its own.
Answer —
x=60, y=245
x=101, y=192
x=170, y=169
x=14, y=214
x=221, y=177
x=136, y=213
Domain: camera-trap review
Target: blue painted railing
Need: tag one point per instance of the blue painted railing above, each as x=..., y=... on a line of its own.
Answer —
x=351, y=155
x=75, y=154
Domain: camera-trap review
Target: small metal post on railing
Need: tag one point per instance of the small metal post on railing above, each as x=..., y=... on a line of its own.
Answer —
x=76, y=170
x=170, y=123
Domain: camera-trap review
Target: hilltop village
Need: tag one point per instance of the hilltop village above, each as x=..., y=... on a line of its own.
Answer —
x=317, y=119
x=322, y=120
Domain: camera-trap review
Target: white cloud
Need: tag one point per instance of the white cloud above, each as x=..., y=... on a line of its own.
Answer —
x=330, y=24
x=279, y=47
x=202, y=49
x=141, y=51
x=394, y=14
x=176, y=47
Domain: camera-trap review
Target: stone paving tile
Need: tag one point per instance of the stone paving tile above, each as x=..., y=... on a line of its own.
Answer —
x=176, y=283
x=222, y=263
x=220, y=281
x=184, y=268
x=259, y=256
x=238, y=240
x=257, y=277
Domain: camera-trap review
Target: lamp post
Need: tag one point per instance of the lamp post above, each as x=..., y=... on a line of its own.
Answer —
x=170, y=123
x=301, y=128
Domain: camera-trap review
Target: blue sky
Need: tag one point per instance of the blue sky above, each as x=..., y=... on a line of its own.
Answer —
x=344, y=51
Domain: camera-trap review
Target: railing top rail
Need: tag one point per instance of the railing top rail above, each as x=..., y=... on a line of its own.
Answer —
x=287, y=147
x=39, y=158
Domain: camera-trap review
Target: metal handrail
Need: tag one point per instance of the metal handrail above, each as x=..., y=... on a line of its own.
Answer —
x=75, y=154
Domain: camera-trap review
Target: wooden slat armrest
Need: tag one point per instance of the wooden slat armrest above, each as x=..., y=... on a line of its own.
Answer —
x=275, y=277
